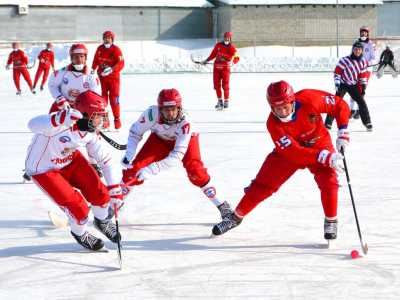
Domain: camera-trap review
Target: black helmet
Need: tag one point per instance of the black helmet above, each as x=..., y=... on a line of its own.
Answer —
x=358, y=44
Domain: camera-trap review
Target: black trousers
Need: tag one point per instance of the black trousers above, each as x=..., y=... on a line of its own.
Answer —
x=384, y=64
x=358, y=98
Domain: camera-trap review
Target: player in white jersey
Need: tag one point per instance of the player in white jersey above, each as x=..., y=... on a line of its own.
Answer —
x=369, y=56
x=172, y=140
x=67, y=83
x=64, y=174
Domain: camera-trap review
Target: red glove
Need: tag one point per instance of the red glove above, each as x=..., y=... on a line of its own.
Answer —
x=236, y=59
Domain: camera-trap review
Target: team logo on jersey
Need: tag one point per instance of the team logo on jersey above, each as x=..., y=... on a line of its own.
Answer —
x=64, y=139
x=313, y=118
x=65, y=80
x=67, y=151
x=86, y=85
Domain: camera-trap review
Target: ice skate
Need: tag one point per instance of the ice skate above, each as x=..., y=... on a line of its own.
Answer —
x=226, y=104
x=220, y=105
x=18, y=93
x=330, y=230
x=26, y=177
x=228, y=223
x=225, y=209
x=108, y=228
x=33, y=91
x=89, y=241
x=369, y=127
x=41, y=88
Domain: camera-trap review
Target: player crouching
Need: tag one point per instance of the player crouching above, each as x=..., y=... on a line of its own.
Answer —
x=301, y=141
x=60, y=170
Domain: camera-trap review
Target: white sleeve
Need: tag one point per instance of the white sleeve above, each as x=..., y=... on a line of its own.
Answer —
x=144, y=123
x=94, y=83
x=55, y=84
x=179, y=151
x=102, y=155
x=42, y=124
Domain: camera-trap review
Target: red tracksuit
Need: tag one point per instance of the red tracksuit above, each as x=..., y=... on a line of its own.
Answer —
x=297, y=145
x=223, y=55
x=109, y=57
x=46, y=60
x=19, y=60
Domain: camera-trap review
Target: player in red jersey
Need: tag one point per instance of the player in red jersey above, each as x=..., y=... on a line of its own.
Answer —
x=301, y=141
x=19, y=62
x=109, y=61
x=224, y=53
x=46, y=61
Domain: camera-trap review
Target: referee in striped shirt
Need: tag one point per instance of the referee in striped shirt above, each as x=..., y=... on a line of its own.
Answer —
x=349, y=71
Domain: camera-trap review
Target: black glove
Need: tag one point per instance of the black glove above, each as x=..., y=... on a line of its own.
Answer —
x=83, y=125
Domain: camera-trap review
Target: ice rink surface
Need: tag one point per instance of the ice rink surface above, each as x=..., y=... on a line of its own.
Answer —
x=278, y=252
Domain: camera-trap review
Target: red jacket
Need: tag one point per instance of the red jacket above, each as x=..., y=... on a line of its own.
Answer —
x=108, y=57
x=223, y=54
x=301, y=139
x=46, y=59
x=18, y=58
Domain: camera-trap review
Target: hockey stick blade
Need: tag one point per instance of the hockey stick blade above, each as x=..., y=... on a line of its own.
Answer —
x=112, y=142
x=198, y=62
x=56, y=220
x=119, y=241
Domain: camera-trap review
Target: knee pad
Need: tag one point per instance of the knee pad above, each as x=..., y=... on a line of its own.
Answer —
x=197, y=173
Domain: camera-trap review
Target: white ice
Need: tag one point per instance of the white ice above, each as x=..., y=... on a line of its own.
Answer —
x=276, y=253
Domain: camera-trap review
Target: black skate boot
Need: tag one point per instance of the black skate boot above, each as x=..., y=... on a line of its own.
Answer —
x=89, y=241
x=330, y=229
x=226, y=104
x=26, y=177
x=356, y=115
x=369, y=127
x=107, y=228
x=229, y=222
x=225, y=209
x=220, y=105
x=99, y=171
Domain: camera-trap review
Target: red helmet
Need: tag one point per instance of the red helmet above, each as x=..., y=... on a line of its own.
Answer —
x=109, y=33
x=78, y=49
x=169, y=97
x=364, y=28
x=228, y=35
x=91, y=105
x=280, y=93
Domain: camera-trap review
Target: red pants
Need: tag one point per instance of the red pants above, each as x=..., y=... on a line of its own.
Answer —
x=110, y=92
x=41, y=69
x=275, y=171
x=62, y=186
x=221, y=75
x=17, y=74
x=156, y=149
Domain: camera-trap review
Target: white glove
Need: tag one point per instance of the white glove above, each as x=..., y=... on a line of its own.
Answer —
x=66, y=117
x=331, y=159
x=62, y=102
x=126, y=163
x=343, y=140
x=147, y=172
x=8, y=67
x=107, y=71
